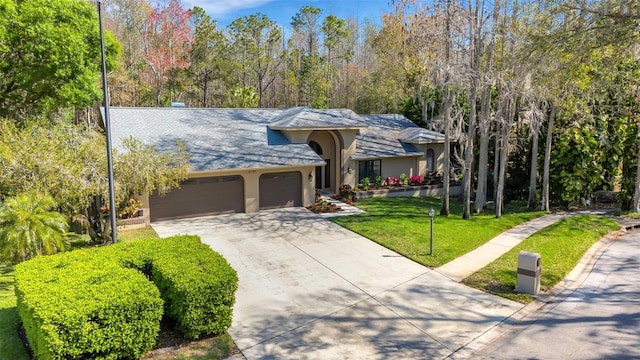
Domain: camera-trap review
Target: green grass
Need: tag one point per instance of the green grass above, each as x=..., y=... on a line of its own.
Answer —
x=213, y=348
x=137, y=234
x=402, y=225
x=11, y=347
x=560, y=246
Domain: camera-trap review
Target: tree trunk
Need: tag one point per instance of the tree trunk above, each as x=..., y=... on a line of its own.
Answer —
x=205, y=89
x=504, y=153
x=483, y=123
x=446, y=170
x=448, y=103
x=483, y=155
x=547, y=161
x=476, y=49
x=468, y=157
x=496, y=160
x=533, y=173
x=636, y=195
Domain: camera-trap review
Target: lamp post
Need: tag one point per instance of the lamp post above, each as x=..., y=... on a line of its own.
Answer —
x=432, y=213
x=107, y=130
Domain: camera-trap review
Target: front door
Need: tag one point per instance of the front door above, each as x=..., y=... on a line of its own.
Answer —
x=319, y=176
x=327, y=175
x=323, y=175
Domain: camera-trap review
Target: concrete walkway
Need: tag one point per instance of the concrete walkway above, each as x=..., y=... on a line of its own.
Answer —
x=482, y=256
x=467, y=264
x=346, y=208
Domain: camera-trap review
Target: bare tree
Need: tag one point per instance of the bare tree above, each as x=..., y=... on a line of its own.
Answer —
x=484, y=118
x=509, y=111
x=476, y=49
x=547, y=160
x=535, y=120
x=446, y=111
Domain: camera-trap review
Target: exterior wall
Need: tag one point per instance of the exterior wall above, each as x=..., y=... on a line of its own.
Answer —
x=252, y=186
x=345, y=148
x=297, y=136
x=438, y=150
x=397, y=166
x=348, y=151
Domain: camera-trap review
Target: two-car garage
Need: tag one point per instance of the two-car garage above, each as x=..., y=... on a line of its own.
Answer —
x=226, y=194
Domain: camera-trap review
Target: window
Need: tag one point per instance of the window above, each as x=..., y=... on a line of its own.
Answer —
x=316, y=147
x=368, y=169
x=431, y=163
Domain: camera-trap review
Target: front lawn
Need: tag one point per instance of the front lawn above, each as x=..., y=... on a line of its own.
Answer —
x=560, y=246
x=402, y=225
x=10, y=344
x=137, y=234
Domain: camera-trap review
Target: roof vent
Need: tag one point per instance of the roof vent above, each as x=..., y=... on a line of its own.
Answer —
x=177, y=104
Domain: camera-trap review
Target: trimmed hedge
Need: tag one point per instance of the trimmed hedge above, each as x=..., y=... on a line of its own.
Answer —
x=79, y=305
x=198, y=287
x=100, y=303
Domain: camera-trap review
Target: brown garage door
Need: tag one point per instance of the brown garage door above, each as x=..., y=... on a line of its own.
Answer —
x=197, y=197
x=279, y=190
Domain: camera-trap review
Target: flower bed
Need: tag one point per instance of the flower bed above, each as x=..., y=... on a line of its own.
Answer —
x=403, y=186
x=421, y=190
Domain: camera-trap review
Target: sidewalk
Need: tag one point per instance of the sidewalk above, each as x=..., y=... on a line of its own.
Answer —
x=469, y=263
x=482, y=256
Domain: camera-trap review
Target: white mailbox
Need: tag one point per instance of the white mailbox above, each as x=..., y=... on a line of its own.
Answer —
x=529, y=270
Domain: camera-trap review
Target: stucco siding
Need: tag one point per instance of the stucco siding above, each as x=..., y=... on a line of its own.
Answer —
x=438, y=150
x=396, y=166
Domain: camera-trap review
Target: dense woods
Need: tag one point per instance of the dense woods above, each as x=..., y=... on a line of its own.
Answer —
x=537, y=99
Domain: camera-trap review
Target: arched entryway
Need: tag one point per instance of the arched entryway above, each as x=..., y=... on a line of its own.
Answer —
x=324, y=144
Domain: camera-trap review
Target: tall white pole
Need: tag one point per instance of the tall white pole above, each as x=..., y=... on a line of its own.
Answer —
x=107, y=130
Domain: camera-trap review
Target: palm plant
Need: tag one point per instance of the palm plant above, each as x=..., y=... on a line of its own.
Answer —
x=28, y=227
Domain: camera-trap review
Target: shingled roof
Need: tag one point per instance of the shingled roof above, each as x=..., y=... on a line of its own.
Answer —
x=418, y=135
x=304, y=118
x=216, y=138
x=220, y=139
x=382, y=138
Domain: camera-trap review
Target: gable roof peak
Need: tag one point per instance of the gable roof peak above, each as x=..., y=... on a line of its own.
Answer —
x=306, y=118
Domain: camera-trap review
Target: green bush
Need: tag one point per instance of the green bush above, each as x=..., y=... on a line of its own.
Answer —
x=100, y=303
x=364, y=183
x=404, y=180
x=80, y=305
x=198, y=286
x=346, y=193
x=378, y=182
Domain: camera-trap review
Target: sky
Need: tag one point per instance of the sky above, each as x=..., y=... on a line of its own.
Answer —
x=281, y=11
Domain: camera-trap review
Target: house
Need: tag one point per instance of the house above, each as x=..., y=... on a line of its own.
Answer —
x=245, y=160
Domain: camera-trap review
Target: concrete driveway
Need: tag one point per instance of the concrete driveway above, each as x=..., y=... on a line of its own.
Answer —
x=310, y=289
